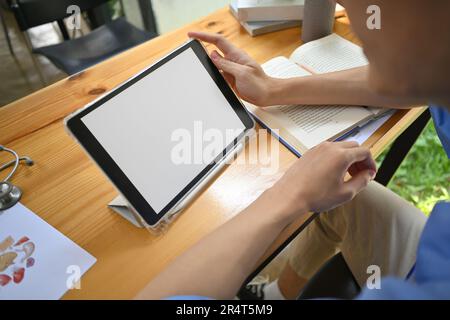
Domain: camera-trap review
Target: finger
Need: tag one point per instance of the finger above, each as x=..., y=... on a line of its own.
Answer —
x=230, y=79
x=357, y=154
x=226, y=65
x=361, y=166
x=219, y=41
x=357, y=159
x=368, y=163
x=355, y=168
x=358, y=182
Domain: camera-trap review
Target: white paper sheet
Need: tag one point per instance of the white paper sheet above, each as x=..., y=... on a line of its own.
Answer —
x=36, y=260
x=365, y=132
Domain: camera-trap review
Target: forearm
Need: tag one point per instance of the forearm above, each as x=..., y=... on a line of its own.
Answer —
x=218, y=264
x=348, y=87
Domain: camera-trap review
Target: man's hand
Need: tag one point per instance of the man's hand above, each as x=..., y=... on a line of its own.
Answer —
x=244, y=74
x=316, y=182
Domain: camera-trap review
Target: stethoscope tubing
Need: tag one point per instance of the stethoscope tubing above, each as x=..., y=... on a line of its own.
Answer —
x=14, y=162
x=27, y=161
x=9, y=193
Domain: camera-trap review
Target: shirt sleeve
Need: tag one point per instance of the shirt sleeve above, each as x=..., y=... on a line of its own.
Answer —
x=441, y=119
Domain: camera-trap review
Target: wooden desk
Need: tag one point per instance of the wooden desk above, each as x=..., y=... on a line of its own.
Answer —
x=69, y=192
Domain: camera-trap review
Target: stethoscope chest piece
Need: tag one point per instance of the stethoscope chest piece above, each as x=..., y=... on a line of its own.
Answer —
x=9, y=195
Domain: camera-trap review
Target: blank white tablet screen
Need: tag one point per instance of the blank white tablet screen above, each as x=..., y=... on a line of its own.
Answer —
x=175, y=110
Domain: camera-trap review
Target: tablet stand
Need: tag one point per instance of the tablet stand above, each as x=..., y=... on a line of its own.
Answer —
x=121, y=206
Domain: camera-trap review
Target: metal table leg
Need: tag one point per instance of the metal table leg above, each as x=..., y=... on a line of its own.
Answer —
x=148, y=16
x=5, y=30
x=400, y=148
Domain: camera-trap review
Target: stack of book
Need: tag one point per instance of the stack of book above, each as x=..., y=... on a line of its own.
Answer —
x=263, y=16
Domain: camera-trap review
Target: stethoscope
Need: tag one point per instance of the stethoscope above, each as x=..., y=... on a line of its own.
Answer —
x=9, y=193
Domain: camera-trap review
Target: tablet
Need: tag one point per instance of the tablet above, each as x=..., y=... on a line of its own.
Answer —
x=149, y=134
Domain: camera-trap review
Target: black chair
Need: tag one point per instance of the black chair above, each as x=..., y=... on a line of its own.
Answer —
x=5, y=27
x=333, y=280
x=74, y=55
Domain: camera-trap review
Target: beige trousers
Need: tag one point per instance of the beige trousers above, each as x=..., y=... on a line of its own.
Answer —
x=376, y=228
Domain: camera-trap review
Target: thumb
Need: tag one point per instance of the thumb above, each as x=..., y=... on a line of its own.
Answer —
x=228, y=66
x=230, y=79
x=360, y=180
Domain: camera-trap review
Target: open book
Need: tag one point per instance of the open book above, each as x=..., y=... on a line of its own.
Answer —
x=303, y=127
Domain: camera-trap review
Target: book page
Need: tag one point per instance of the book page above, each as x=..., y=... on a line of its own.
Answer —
x=283, y=68
x=378, y=112
x=311, y=118
x=312, y=125
x=329, y=54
